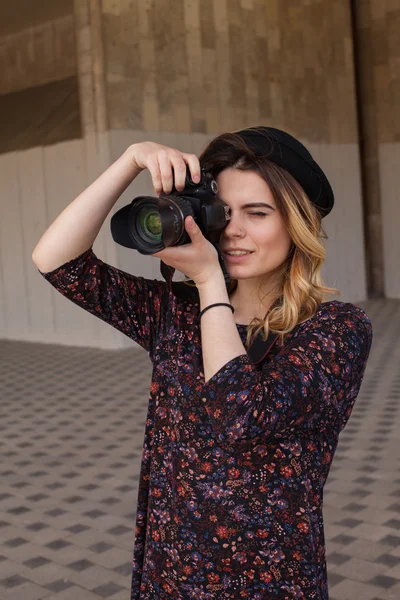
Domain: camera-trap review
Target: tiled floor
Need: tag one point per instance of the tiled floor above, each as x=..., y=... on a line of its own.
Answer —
x=71, y=432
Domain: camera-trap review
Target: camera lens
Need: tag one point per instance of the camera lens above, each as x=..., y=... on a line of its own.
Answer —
x=146, y=224
x=150, y=224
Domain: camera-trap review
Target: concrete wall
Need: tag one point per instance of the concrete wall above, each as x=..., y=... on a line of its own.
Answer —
x=39, y=92
x=206, y=66
x=37, y=55
x=20, y=15
x=35, y=186
x=40, y=115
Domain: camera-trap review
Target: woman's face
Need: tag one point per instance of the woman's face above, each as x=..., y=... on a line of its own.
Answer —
x=259, y=229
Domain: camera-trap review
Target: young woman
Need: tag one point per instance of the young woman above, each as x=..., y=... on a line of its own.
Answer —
x=235, y=454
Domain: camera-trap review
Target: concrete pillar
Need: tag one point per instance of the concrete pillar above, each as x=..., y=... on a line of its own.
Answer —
x=90, y=53
x=377, y=34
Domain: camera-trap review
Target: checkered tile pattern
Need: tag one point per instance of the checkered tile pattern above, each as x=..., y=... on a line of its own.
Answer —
x=71, y=433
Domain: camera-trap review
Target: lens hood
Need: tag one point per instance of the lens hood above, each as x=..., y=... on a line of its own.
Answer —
x=120, y=227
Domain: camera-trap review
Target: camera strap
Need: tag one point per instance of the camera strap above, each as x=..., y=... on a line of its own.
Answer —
x=187, y=290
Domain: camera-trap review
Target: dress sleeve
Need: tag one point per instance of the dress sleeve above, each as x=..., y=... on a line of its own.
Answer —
x=313, y=381
x=134, y=305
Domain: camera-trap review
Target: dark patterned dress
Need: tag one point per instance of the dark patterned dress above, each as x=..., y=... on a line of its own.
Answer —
x=232, y=475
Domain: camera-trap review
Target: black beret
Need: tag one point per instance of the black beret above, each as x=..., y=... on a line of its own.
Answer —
x=290, y=154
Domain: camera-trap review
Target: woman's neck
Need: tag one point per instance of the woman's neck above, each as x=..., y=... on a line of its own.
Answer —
x=246, y=310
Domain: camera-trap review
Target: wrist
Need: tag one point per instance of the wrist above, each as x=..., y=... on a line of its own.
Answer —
x=129, y=157
x=213, y=290
x=215, y=281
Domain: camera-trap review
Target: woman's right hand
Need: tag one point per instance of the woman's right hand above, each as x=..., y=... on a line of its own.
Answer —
x=167, y=166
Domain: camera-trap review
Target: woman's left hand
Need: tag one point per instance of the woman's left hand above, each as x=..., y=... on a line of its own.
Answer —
x=198, y=260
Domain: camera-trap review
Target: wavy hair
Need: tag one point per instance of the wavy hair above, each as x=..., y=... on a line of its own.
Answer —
x=300, y=289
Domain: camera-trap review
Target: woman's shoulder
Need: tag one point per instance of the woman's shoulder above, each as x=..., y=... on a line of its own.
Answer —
x=345, y=324
x=342, y=320
x=333, y=315
x=335, y=309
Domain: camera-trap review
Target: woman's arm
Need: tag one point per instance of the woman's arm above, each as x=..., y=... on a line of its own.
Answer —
x=220, y=340
x=77, y=227
x=135, y=306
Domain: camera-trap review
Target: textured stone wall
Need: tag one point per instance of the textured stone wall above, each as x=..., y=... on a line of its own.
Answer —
x=197, y=66
x=17, y=15
x=37, y=55
x=40, y=115
x=39, y=100
x=205, y=66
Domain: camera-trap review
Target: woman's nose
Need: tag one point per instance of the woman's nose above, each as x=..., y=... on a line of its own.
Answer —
x=233, y=228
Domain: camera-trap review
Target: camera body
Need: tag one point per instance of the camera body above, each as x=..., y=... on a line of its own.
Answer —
x=150, y=224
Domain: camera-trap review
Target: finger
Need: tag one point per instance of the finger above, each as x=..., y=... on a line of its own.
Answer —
x=194, y=166
x=179, y=172
x=192, y=228
x=154, y=170
x=167, y=179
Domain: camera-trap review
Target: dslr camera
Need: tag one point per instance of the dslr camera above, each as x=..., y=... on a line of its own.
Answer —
x=150, y=224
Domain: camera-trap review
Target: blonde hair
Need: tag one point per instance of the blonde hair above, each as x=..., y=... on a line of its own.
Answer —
x=300, y=290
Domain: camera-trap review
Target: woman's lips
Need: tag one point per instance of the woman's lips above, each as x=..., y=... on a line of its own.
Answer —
x=236, y=259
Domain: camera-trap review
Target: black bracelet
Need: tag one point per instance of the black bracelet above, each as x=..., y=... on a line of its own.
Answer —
x=218, y=304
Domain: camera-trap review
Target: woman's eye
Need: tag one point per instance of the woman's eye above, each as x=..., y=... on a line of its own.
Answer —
x=260, y=214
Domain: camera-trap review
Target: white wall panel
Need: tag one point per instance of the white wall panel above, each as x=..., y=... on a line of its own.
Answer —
x=389, y=161
x=344, y=267
x=3, y=316
x=34, y=219
x=13, y=250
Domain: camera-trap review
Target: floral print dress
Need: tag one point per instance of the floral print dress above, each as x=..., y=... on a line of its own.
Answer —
x=231, y=485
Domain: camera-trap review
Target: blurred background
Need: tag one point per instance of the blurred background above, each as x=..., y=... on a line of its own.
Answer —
x=81, y=80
